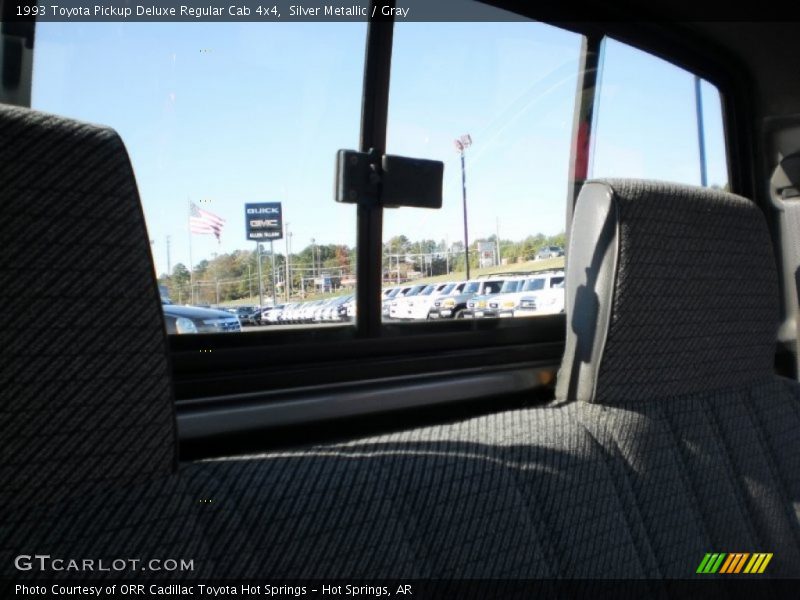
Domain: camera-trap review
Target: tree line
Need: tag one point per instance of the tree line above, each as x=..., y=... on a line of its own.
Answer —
x=321, y=268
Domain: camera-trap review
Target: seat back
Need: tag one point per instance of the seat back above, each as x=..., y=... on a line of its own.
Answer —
x=85, y=394
x=672, y=309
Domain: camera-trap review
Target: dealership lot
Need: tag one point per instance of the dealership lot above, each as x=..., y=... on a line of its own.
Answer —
x=495, y=295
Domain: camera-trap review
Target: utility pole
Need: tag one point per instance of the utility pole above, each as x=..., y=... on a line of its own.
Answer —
x=497, y=239
x=313, y=263
x=447, y=255
x=216, y=276
x=462, y=143
x=169, y=262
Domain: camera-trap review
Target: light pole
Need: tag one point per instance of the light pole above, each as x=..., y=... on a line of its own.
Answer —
x=497, y=240
x=169, y=261
x=260, y=277
x=314, y=263
x=397, y=258
x=462, y=143
x=288, y=288
x=216, y=276
x=272, y=254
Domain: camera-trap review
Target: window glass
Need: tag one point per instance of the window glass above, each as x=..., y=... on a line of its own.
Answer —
x=493, y=287
x=646, y=121
x=219, y=115
x=447, y=289
x=504, y=92
x=533, y=284
x=216, y=116
x=472, y=287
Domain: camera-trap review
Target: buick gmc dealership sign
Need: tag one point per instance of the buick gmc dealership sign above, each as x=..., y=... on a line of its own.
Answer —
x=263, y=221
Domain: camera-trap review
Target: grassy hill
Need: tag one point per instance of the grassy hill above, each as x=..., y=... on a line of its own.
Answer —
x=531, y=266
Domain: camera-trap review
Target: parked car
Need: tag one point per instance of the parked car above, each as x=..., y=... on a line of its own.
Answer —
x=190, y=319
x=389, y=298
x=540, y=296
x=505, y=304
x=289, y=313
x=549, y=252
x=398, y=306
x=248, y=315
x=309, y=310
x=350, y=309
x=339, y=308
x=480, y=307
x=419, y=307
x=271, y=314
x=454, y=306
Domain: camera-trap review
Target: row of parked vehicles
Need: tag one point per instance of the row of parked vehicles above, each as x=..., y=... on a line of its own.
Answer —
x=329, y=310
x=500, y=295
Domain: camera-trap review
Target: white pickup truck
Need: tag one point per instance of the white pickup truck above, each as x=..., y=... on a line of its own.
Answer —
x=542, y=293
x=418, y=306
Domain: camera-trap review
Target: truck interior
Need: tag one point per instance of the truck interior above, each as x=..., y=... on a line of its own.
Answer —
x=651, y=432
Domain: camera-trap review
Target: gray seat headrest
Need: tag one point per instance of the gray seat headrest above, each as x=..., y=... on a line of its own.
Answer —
x=85, y=392
x=671, y=290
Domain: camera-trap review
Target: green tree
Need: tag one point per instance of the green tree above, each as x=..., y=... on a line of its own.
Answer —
x=180, y=274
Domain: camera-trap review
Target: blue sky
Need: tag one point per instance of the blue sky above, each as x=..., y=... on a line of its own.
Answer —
x=230, y=113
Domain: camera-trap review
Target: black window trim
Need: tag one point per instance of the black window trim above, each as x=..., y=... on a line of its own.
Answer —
x=374, y=116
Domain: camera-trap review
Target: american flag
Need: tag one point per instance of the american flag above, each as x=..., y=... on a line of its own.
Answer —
x=201, y=221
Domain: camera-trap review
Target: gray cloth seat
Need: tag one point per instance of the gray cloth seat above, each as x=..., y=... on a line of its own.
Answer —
x=672, y=302
x=636, y=483
x=89, y=449
x=653, y=455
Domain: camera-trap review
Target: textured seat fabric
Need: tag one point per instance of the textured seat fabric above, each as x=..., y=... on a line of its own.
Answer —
x=609, y=482
x=578, y=491
x=521, y=494
x=686, y=288
x=675, y=368
x=85, y=395
x=86, y=343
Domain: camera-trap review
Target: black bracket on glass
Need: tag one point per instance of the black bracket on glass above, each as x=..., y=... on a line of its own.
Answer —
x=388, y=181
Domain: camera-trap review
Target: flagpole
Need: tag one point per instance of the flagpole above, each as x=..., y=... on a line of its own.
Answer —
x=191, y=262
x=272, y=252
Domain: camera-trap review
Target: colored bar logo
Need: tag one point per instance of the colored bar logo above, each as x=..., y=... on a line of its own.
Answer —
x=734, y=563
